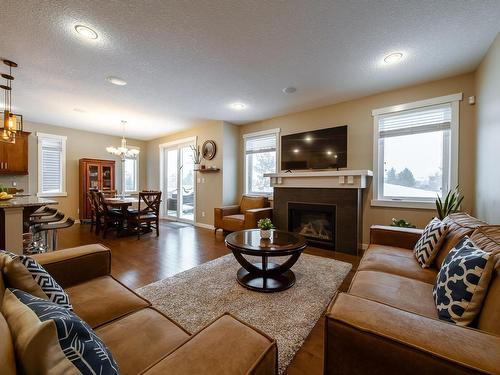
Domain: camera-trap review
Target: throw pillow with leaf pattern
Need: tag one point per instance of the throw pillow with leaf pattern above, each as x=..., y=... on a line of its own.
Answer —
x=462, y=282
x=429, y=243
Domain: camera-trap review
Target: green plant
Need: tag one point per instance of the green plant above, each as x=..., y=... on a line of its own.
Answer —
x=402, y=223
x=196, y=154
x=451, y=203
x=265, y=224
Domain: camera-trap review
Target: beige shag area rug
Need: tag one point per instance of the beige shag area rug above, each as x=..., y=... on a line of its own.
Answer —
x=197, y=296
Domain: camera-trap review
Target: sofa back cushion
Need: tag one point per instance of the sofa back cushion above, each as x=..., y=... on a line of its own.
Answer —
x=459, y=225
x=488, y=239
x=16, y=275
x=249, y=202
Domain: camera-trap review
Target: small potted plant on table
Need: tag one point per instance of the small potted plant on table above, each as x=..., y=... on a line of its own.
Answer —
x=265, y=226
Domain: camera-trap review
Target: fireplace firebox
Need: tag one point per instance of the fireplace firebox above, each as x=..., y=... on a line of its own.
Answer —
x=316, y=222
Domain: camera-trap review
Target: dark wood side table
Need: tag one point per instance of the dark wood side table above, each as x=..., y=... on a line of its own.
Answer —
x=266, y=276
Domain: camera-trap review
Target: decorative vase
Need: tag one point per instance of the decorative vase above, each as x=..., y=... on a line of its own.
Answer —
x=265, y=233
x=196, y=166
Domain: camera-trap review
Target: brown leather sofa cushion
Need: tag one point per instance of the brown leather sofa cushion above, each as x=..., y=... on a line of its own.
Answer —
x=233, y=223
x=7, y=356
x=141, y=339
x=226, y=346
x=103, y=299
x=488, y=239
x=396, y=261
x=460, y=224
x=398, y=291
x=249, y=202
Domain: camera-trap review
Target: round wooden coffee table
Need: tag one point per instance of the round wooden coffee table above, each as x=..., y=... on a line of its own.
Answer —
x=266, y=276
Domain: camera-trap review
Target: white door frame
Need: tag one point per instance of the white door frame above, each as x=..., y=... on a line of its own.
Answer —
x=162, y=149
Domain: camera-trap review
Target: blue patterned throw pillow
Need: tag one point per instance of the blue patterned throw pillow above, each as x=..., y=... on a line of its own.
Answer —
x=462, y=282
x=46, y=282
x=51, y=339
x=429, y=243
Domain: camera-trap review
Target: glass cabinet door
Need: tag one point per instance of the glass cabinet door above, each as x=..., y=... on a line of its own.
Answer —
x=93, y=176
x=107, y=178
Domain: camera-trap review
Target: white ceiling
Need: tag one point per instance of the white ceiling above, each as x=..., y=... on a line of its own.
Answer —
x=186, y=61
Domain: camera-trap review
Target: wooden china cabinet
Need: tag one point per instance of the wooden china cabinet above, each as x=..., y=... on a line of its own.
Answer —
x=95, y=174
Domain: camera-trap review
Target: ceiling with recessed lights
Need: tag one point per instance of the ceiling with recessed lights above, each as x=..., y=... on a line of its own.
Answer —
x=184, y=62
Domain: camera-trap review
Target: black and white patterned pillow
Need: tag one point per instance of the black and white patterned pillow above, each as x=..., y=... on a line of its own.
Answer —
x=429, y=243
x=77, y=342
x=46, y=282
x=462, y=282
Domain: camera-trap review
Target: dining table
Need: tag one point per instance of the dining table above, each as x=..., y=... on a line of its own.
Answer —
x=123, y=204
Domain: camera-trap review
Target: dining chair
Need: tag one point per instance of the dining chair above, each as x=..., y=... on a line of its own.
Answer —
x=94, y=214
x=109, y=219
x=147, y=214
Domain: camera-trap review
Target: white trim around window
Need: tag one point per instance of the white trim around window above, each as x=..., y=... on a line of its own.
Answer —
x=51, y=165
x=262, y=133
x=450, y=158
x=136, y=171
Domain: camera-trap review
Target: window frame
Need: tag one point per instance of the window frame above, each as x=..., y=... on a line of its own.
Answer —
x=453, y=139
x=40, y=138
x=136, y=177
x=276, y=132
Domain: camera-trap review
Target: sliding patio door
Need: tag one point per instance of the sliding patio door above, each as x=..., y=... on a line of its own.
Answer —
x=178, y=182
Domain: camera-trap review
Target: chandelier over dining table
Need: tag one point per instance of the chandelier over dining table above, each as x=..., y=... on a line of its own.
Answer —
x=123, y=152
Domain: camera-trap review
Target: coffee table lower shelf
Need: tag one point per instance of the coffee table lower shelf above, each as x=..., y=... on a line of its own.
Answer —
x=266, y=283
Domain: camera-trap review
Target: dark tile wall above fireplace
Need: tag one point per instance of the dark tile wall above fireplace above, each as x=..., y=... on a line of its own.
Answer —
x=348, y=216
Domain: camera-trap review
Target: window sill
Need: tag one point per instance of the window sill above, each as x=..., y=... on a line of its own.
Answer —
x=403, y=204
x=52, y=195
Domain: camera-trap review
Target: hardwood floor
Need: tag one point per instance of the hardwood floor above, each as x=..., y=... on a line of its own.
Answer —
x=140, y=262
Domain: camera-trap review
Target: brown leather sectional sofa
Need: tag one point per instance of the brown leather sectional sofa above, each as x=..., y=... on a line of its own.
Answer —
x=387, y=322
x=141, y=339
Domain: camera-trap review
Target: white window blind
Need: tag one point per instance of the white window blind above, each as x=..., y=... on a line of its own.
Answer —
x=51, y=165
x=420, y=120
x=258, y=144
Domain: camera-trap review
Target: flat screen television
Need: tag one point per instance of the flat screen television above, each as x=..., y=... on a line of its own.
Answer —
x=318, y=149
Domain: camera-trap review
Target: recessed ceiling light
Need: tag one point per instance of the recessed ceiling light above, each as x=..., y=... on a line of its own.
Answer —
x=86, y=32
x=393, y=58
x=289, y=90
x=116, y=81
x=296, y=150
x=238, y=106
x=79, y=110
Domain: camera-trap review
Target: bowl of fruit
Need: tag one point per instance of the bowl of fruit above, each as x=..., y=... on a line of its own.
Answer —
x=4, y=196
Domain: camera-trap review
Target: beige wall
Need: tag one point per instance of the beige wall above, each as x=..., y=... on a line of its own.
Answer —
x=488, y=136
x=231, y=155
x=357, y=115
x=80, y=144
x=209, y=192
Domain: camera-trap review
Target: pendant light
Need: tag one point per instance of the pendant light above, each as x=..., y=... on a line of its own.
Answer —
x=10, y=126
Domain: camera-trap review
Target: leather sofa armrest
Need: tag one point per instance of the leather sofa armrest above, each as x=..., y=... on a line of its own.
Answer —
x=394, y=236
x=389, y=339
x=77, y=264
x=226, y=346
x=253, y=215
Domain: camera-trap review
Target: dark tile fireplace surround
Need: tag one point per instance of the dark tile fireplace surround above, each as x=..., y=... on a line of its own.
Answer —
x=327, y=217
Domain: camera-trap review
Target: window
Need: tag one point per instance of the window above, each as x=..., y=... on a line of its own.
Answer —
x=51, y=165
x=260, y=158
x=132, y=175
x=415, y=152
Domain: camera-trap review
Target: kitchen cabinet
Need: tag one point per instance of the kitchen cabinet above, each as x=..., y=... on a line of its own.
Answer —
x=14, y=156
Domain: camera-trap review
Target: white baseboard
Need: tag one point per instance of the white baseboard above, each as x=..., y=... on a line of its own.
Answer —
x=77, y=221
x=206, y=226
x=364, y=246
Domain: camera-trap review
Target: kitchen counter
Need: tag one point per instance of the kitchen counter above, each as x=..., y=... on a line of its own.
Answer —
x=26, y=201
x=14, y=213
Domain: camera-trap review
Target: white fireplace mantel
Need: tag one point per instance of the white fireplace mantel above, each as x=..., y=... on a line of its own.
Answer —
x=344, y=179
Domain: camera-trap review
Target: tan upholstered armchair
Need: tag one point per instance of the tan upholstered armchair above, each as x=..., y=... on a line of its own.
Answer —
x=243, y=216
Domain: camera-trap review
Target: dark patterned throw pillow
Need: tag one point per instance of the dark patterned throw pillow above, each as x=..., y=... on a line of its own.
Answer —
x=51, y=339
x=47, y=283
x=429, y=243
x=462, y=282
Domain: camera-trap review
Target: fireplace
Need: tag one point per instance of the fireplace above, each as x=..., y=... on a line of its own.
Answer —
x=316, y=222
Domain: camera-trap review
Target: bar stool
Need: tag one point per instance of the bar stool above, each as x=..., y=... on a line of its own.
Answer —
x=47, y=211
x=54, y=227
x=40, y=240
